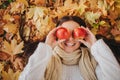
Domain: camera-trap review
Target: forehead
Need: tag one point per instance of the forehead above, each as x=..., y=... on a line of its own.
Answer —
x=70, y=25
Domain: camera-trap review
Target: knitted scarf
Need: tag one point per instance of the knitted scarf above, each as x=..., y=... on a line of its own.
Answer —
x=82, y=57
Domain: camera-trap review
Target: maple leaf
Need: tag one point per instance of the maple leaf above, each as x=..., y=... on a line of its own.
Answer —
x=93, y=4
x=12, y=48
x=18, y=6
x=10, y=27
x=102, y=5
x=8, y=17
x=30, y=13
x=41, y=21
x=10, y=75
x=91, y=17
x=25, y=2
x=82, y=7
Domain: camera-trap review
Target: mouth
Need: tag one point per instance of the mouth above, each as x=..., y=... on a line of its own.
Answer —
x=70, y=44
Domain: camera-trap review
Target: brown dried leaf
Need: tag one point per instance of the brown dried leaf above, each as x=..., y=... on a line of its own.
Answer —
x=18, y=64
x=10, y=75
x=115, y=31
x=4, y=56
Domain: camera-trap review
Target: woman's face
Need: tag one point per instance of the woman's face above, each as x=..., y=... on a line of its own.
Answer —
x=70, y=44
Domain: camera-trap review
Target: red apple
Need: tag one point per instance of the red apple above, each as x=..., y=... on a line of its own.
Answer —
x=79, y=33
x=62, y=33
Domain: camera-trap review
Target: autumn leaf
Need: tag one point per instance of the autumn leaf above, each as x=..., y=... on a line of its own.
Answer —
x=38, y=2
x=25, y=2
x=91, y=17
x=12, y=48
x=102, y=5
x=8, y=17
x=117, y=38
x=10, y=75
x=117, y=3
x=1, y=66
x=30, y=13
x=18, y=6
x=4, y=56
x=115, y=31
x=10, y=27
x=93, y=4
x=82, y=8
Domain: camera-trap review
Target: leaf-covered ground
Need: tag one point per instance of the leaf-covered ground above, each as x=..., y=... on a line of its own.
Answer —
x=24, y=23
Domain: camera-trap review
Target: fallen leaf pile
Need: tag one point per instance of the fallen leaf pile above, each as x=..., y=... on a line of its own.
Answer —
x=27, y=22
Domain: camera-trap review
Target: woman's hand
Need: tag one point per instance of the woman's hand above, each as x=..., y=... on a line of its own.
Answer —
x=51, y=38
x=89, y=39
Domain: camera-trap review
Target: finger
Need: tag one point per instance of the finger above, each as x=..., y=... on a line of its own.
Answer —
x=82, y=41
x=53, y=31
x=85, y=43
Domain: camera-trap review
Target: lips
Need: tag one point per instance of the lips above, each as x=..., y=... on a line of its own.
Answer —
x=70, y=44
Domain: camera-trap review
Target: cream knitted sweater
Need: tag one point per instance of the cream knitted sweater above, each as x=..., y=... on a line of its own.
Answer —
x=107, y=68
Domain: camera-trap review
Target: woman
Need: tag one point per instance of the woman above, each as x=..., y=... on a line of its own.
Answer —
x=66, y=59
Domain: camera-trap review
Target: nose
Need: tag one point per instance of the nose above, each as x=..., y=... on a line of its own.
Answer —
x=71, y=38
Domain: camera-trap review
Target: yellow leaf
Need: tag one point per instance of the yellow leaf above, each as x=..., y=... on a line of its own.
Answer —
x=26, y=32
x=10, y=28
x=93, y=4
x=94, y=31
x=8, y=17
x=7, y=47
x=102, y=5
x=18, y=48
x=23, y=1
x=10, y=75
x=13, y=44
x=18, y=7
x=82, y=8
x=40, y=12
x=117, y=3
x=91, y=17
x=1, y=66
x=30, y=13
x=12, y=48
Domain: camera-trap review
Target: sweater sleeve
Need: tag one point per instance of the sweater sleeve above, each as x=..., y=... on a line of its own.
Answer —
x=109, y=66
x=37, y=63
